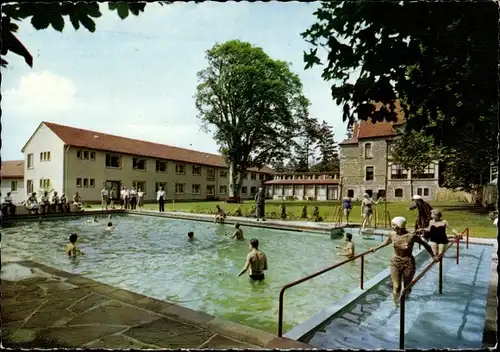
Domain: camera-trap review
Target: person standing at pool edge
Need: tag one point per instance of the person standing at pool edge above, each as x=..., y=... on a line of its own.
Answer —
x=160, y=197
x=256, y=261
x=347, y=207
x=260, y=208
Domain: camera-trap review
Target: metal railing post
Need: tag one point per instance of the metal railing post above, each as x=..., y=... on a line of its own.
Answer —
x=362, y=276
x=441, y=275
x=458, y=250
x=280, y=314
x=467, y=239
x=402, y=300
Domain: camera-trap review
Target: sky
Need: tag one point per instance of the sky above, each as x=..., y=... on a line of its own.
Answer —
x=137, y=77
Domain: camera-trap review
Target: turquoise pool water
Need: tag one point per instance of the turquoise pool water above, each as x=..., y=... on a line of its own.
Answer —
x=152, y=256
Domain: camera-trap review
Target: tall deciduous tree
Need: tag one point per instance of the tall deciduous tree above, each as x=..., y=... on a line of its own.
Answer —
x=54, y=14
x=440, y=59
x=254, y=104
x=414, y=151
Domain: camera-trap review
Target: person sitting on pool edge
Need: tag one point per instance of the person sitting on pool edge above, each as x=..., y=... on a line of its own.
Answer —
x=220, y=215
x=110, y=227
x=238, y=233
x=256, y=261
x=71, y=249
x=348, y=249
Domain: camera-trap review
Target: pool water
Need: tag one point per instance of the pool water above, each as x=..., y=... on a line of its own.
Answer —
x=152, y=256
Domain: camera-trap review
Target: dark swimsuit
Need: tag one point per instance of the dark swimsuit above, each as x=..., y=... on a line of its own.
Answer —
x=257, y=277
x=437, y=234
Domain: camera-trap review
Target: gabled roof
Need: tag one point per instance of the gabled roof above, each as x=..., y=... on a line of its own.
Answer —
x=12, y=169
x=80, y=138
x=369, y=130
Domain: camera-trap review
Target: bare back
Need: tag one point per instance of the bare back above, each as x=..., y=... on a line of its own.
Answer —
x=258, y=262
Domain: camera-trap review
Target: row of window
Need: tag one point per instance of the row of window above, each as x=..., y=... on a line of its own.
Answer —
x=85, y=182
x=45, y=183
x=398, y=173
x=398, y=192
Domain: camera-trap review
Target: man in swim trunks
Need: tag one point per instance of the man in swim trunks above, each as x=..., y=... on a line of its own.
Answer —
x=348, y=249
x=238, y=233
x=402, y=262
x=256, y=261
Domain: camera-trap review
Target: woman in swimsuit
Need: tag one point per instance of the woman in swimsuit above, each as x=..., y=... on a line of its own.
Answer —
x=436, y=232
x=347, y=207
x=367, y=210
x=402, y=262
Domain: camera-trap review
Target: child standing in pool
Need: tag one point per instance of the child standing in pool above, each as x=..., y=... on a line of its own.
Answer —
x=71, y=249
x=238, y=233
x=348, y=249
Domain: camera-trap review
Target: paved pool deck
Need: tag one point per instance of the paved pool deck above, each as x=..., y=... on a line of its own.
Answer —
x=43, y=307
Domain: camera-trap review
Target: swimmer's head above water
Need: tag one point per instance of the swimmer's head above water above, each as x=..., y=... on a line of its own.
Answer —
x=348, y=237
x=191, y=234
x=73, y=238
x=110, y=224
x=237, y=225
x=254, y=243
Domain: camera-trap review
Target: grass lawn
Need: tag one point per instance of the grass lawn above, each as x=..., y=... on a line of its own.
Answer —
x=459, y=215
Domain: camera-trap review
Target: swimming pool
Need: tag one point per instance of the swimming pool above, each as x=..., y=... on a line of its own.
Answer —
x=151, y=256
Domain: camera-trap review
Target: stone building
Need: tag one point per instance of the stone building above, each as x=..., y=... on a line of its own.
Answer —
x=366, y=166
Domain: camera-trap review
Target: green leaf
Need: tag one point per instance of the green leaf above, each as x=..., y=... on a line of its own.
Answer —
x=112, y=6
x=93, y=10
x=88, y=23
x=122, y=10
x=57, y=22
x=75, y=21
x=40, y=21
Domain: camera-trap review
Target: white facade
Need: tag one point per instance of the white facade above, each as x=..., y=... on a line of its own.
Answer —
x=44, y=162
x=303, y=186
x=16, y=187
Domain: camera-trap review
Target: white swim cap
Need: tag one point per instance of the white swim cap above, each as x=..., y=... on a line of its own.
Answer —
x=399, y=221
x=416, y=196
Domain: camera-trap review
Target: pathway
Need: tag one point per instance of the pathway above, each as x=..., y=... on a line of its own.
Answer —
x=46, y=308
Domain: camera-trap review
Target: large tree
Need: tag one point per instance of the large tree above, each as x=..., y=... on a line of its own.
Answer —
x=329, y=154
x=440, y=60
x=54, y=14
x=305, y=147
x=254, y=105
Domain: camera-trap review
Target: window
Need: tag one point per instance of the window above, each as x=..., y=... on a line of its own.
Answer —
x=85, y=182
x=369, y=192
x=113, y=161
x=139, y=164
x=369, y=173
x=253, y=190
x=79, y=182
x=428, y=172
x=196, y=170
x=368, y=151
x=180, y=169
x=423, y=192
x=223, y=173
x=44, y=183
x=13, y=186
x=29, y=186
x=92, y=182
x=30, y=161
x=159, y=185
x=139, y=185
x=210, y=190
x=196, y=189
x=253, y=176
x=223, y=189
x=381, y=193
x=179, y=187
x=92, y=155
x=398, y=193
x=86, y=155
x=350, y=193
x=161, y=166
x=426, y=192
x=210, y=174
x=262, y=177
x=398, y=173
x=244, y=190
x=78, y=154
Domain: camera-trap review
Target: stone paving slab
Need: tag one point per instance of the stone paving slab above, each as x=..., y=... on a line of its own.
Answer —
x=54, y=309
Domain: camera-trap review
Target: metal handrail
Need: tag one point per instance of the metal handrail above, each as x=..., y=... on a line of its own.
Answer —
x=284, y=288
x=402, y=297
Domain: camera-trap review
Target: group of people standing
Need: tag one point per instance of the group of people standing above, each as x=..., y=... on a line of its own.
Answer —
x=129, y=198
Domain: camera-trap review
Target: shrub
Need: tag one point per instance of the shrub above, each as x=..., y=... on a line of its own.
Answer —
x=304, y=212
x=283, y=211
x=237, y=211
x=316, y=216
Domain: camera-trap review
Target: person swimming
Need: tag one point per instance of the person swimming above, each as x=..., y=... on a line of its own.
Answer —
x=256, y=261
x=191, y=236
x=71, y=249
x=93, y=220
x=238, y=233
x=110, y=226
x=348, y=249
